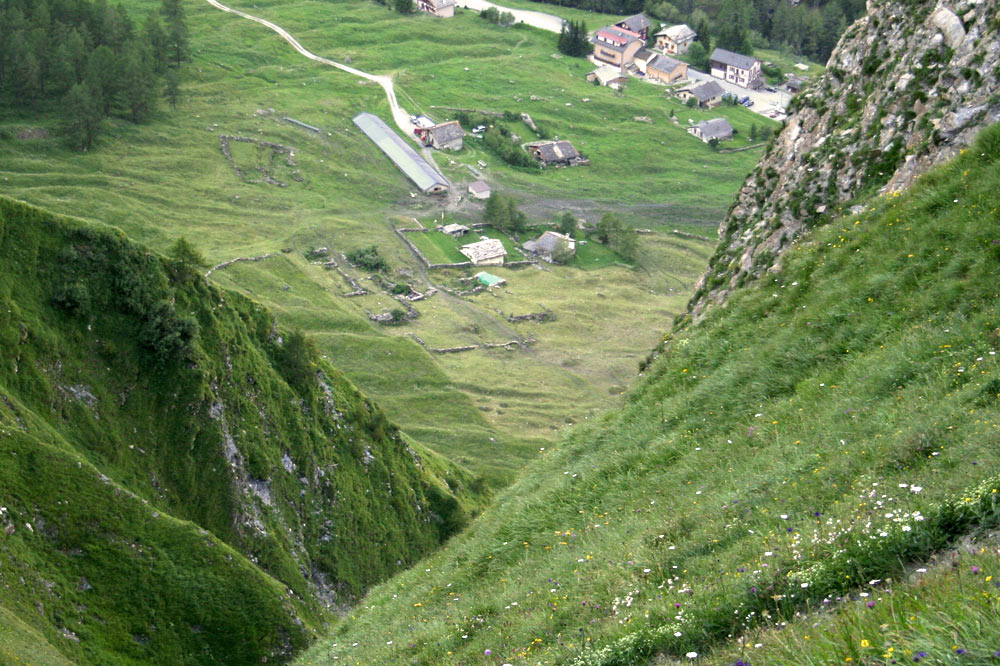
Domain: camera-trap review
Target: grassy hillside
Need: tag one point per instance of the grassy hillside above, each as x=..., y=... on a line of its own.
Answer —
x=801, y=448
x=169, y=179
x=184, y=481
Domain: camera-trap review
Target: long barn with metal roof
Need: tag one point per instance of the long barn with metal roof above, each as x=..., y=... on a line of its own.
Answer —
x=403, y=156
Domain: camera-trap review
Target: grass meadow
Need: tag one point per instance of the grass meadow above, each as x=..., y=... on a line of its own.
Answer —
x=168, y=179
x=774, y=488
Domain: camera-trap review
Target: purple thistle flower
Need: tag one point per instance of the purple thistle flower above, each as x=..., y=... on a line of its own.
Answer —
x=960, y=651
x=871, y=604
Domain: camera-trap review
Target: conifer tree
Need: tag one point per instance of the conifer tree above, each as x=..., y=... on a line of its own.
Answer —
x=177, y=32
x=83, y=114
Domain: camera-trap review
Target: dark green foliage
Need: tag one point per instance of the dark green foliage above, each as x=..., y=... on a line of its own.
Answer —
x=500, y=141
x=294, y=359
x=404, y=6
x=567, y=223
x=48, y=50
x=616, y=235
x=495, y=16
x=192, y=483
x=573, y=39
x=83, y=116
x=167, y=334
x=501, y=211
x=368, y=257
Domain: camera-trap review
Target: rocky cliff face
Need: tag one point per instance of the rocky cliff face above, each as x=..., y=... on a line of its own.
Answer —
x=907, y=88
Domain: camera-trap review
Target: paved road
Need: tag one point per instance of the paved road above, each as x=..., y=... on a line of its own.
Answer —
x=763, y=101
x=536, y=19
x=399, y=115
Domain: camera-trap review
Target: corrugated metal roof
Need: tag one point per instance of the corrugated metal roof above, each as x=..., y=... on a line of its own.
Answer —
x=403, y=156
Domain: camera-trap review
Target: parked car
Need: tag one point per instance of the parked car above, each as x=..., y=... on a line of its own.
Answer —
x=748, y=103
x=770, y=89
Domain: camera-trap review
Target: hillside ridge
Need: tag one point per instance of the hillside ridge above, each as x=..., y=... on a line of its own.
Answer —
x=159, y=400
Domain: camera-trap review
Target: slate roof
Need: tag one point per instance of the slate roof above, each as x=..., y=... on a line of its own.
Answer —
x=664, y=64
x=483, y=250
x=478, y=187
x=555, y=151
x=706, y=90
x=636, y=23
x=403, y=156
x=716, y=128
x=678, y=33
x=549, y=241
x=733, y=59
x=447, y=132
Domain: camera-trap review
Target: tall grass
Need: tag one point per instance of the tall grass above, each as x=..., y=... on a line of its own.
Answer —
x=822, y=430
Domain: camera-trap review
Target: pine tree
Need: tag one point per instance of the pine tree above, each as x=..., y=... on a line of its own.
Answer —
x=733, y=25
x=138, y=81
x=177, y=32
x=103, y=76
x=158, y=43
x=83, y=114
x=172, y=86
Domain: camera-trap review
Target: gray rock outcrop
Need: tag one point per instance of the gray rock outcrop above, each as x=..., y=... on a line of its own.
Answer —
x=908, y=86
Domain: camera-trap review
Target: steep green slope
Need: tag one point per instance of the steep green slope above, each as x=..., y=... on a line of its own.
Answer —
x=183, y=481
x=818, y=432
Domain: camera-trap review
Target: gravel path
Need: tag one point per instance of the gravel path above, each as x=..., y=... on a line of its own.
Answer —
x=399, y=115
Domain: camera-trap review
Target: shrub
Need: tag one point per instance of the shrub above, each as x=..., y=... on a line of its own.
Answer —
x=368, y=257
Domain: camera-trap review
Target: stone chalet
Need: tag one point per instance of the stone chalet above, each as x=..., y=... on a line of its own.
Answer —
x=736, y=68
x=616, y=46
x=487, y=252
x=707, y=93
x=666, y=69
x=442, y=8
x=716, y=128
x=638, y=24
x=546, y=245
x=446, y=136
x=557, y=153
x=676, y=39
x=479, y=190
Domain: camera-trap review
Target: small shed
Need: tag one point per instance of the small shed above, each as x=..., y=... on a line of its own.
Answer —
x=487, y=252
x=479, y=190
x=489, y=279
x=609, y=76
x=454, y=230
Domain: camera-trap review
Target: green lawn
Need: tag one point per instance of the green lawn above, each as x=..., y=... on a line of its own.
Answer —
x=591, y=255
x=439, y=247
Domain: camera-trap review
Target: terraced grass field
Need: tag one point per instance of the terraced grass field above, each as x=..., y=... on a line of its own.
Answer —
x=168, y=179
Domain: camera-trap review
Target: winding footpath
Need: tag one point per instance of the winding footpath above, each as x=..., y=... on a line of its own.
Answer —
x=399, y=115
